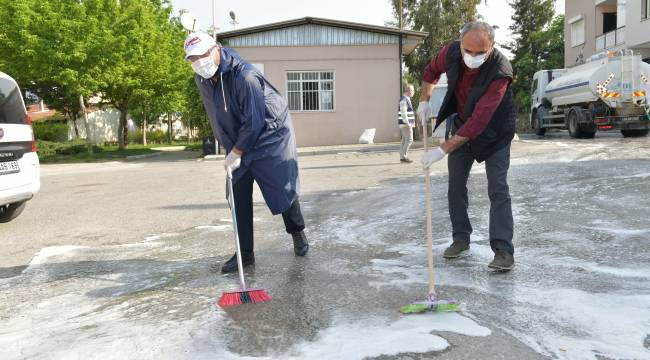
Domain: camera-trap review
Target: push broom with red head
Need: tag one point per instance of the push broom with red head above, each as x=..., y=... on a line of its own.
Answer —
x=244, y=295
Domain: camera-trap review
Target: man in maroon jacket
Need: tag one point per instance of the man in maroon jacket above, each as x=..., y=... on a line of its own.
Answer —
x=480, y=114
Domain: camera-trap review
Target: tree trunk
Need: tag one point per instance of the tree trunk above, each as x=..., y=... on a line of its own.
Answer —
x=169, y=126
x=144, y=130
x=89, y=138
x=121, y=129
x=74, y=123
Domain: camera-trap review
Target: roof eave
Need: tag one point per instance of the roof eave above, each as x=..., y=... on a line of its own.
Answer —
x=320, y=21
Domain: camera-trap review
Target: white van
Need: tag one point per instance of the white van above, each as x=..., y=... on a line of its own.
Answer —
x=20, y=175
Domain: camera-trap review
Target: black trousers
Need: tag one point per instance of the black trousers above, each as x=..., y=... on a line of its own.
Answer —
x=501, y=223
x=243, y=189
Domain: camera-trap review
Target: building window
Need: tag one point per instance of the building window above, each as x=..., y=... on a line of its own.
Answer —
x=578, y=32
x=310, y=90
x=645, y=9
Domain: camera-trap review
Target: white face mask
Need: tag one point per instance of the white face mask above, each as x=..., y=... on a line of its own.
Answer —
x=205, y=67
x=474, y=62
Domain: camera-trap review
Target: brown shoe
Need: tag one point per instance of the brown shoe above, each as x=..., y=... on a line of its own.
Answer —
x=503, y=261
x=455, y=249
x=406, y=160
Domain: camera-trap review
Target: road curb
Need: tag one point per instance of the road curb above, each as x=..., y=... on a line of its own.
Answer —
x=143, y=156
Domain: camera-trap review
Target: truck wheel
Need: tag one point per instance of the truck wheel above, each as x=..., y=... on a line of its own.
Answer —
x=574, y=127
x=588, y=135
x=11, y=211
x=635, y=133
x=537, y=125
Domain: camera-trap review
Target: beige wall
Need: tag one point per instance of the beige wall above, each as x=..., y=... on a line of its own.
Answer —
x=366, y=89
x=573, y=8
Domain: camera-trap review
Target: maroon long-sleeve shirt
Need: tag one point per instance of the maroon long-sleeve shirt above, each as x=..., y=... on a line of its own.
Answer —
x=486, y=105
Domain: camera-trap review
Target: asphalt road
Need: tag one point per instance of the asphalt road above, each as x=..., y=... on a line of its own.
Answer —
x=120, y=260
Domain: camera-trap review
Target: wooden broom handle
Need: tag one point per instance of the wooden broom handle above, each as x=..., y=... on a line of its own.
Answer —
x=427, y=190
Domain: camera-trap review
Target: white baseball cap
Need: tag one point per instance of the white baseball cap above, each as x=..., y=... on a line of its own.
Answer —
x=198, y=43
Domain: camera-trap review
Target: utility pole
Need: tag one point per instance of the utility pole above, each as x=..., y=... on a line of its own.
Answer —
x=214, y=25
x=400, y=60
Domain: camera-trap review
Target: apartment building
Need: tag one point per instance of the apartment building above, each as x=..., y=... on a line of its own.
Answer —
x=593, y=26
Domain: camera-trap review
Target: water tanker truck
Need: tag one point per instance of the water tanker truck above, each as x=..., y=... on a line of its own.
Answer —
x=610, y=92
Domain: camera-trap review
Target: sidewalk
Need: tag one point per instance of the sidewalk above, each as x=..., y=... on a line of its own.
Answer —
x=338, y=149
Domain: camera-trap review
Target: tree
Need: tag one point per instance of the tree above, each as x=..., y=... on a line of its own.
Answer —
x=50, y=55
x=194, y=112
x=127, y=52
x=162, y=90
x=538, y=44
x=442, y=19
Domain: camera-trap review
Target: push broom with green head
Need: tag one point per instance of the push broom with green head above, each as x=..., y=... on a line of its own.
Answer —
x=431, y=302
x=243, y=295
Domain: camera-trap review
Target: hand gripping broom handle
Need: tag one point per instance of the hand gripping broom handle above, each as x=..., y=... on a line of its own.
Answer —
x=427, y=189
x=231, y=202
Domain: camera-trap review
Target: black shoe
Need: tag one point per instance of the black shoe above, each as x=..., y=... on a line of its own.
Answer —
x=406, y=160
x=300, y=246
x=247, y=259
x=503, y=261
x=455, y=249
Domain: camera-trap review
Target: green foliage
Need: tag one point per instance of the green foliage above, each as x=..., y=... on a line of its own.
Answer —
x=48, y=149
x=195, y=114
x=153, y=137
x=128, y=52
x=156, y=136
x=50, y=131
x=135, y=137
x=538, y=45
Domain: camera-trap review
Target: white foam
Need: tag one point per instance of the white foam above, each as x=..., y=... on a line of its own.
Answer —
x=159, y=236
x=45, y=254
x=152, y=238
x=622, y=232
x=214, y=227
x=376, y=337
x=571, y=262
x=612, y=324
x=70, y=327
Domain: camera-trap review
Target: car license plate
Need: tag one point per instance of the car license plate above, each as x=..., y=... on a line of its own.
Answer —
x=9, y=167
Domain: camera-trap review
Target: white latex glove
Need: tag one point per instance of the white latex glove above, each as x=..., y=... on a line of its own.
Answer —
x=232, y=162
x=432, y=156
x=424, y=111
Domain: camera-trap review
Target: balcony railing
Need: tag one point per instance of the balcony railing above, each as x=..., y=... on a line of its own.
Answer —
x=611, y=39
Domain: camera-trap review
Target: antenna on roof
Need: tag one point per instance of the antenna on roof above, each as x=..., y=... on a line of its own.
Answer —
x=234, y=20
x=189, y=22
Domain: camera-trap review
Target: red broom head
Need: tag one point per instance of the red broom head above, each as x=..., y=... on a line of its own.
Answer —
x=234, y=298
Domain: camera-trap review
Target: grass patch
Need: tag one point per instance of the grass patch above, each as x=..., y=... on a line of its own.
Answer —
x=76, y=151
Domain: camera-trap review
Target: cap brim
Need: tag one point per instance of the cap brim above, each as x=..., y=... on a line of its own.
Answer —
x=198, y=51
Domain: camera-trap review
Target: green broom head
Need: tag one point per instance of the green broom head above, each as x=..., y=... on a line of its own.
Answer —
x=432, y=304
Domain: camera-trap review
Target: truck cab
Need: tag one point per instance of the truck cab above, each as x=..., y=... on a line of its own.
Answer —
x=541, y=79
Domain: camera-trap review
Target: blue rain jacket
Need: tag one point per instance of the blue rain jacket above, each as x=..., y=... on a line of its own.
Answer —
x=246, y=111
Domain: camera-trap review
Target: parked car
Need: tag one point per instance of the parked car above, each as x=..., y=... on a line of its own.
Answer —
x=20, y=175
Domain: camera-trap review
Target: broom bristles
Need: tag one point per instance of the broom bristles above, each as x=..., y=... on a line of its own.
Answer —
x=234, y=298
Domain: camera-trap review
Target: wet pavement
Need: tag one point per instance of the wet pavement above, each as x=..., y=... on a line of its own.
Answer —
x=580, y=289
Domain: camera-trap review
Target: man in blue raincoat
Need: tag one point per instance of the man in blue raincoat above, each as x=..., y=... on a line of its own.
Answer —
x=251, y=120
